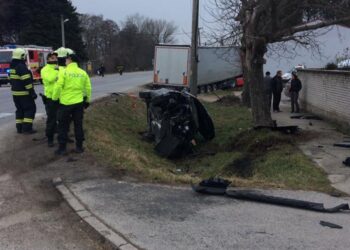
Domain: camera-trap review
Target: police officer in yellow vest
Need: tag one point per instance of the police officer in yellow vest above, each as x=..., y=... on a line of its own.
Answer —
x=49, y=75
x=73, y=90
x=23, y=92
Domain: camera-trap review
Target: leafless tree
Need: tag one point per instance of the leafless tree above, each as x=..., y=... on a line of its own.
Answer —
x=256, y=24
x=98, y=35
x=130, y=45
x=160, y=31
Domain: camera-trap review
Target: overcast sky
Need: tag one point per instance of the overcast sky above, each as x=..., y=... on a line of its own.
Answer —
x=178, y=11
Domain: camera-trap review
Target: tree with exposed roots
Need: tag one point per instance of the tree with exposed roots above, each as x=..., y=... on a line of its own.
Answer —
x=256, y=24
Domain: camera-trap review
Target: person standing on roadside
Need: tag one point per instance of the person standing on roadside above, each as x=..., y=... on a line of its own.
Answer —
x=102, y=70
x=295, y=88
x=49, y=75
x=277, y=88
x=268, y=89
x=23, y=92
x=73, y=91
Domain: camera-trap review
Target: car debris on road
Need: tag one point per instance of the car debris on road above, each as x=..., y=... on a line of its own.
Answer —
x=218, y=186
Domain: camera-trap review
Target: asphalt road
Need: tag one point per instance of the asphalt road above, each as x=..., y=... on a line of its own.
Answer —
x=32, y=214
x=174, y=218
x=100, y=87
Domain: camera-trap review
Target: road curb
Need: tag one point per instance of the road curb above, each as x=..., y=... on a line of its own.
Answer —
x=113, y=239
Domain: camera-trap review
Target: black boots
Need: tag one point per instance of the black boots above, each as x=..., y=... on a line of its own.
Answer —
x=26, y=130
x=50, y=143
x=29, y=132
x=79, y=148
x=62, y=150
x=19, y=128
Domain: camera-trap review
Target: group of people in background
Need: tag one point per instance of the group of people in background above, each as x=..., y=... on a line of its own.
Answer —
x=274, y=87
x=67, y=92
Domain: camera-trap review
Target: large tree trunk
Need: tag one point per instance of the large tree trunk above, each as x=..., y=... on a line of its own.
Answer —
x=259, y=102
x=254, y=49
x=246, y=88
x=254, y=60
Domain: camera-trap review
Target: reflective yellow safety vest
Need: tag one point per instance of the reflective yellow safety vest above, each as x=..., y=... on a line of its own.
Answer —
x=72, y=86
x=49, y=75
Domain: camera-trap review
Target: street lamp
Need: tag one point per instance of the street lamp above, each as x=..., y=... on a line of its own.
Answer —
x=63, y=21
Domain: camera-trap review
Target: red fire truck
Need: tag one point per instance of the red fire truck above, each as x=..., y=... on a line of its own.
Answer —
x=36, y=59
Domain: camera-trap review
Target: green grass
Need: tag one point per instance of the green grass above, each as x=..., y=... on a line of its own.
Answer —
x=247, y=157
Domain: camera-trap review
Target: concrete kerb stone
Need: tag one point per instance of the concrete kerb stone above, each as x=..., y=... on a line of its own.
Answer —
x=113, y=240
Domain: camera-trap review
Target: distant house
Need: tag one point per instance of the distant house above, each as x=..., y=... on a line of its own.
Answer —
x=332, y=43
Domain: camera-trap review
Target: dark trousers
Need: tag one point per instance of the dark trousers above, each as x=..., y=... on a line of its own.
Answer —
x=66, y=114
x=295, y=103
x=276, y=101
x=25, y=113
x=269, y=100
x=51, y=121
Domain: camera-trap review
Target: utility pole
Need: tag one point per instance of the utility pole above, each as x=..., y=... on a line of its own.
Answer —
x=63, y=21
x=194, y=48
x=199, y=37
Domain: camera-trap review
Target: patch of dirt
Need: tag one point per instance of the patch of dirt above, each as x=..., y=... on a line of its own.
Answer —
x=254, y=142
x=241, y=167
x=308, y=135
x=229, y=100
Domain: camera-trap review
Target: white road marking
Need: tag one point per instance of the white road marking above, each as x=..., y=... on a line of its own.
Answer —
x=3, y=115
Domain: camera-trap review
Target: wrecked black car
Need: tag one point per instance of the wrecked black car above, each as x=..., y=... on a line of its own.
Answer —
x=174, y=119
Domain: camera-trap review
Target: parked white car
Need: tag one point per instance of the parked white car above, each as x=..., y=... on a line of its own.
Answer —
x=287, y=77
x=344, y=64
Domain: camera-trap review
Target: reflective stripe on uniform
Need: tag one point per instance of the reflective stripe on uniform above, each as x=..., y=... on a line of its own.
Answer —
x=20, y=93
x=25, y=77
x=19, y=120
x=13, y=71
x=29, y=86
x=28, y=120
x=15, y=77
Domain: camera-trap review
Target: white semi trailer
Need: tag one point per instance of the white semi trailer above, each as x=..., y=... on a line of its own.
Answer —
x=217, y=66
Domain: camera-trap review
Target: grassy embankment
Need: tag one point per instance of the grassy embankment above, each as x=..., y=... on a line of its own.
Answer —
x=247, y=157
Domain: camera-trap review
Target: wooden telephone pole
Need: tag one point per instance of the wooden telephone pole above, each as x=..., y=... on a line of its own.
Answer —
x=194, y=48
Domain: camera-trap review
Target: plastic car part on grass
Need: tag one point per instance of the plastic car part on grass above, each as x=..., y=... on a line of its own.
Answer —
x=219, y=186
x=330, y=225
x=306, y=117
x=214, y=186
x=342, y=145
x=174, y=118
x=347, y=162
x=307, y=205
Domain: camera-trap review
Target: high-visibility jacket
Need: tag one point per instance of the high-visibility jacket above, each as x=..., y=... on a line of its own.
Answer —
x=73, y=86
x=21, y=79
x=49, y=75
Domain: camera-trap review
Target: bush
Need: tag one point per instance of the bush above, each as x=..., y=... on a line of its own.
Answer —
x=331, y=66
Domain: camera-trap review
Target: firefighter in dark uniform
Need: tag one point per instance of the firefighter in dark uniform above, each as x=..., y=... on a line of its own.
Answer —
x=23, y=92
x=73, y=90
